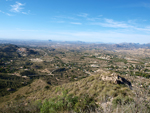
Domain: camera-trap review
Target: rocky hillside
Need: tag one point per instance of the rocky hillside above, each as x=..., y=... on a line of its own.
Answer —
x=106, y=92
x=12, y=51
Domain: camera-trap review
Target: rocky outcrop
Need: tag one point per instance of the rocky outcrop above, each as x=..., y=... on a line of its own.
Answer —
x=116, y=79
x=121, y=80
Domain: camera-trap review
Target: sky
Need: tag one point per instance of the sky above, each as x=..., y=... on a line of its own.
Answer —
x=108, y=21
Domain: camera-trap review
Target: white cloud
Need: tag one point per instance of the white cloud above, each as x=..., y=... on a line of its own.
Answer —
x=2, y=11
x=109, y=24
x=55, y=21
x=77, y=23
x=83, y=15
x=17, y=7
x=132, y=21
x=129, y=25
x=93, y=19
x=24, y=13
x=147, y=29
x=60, y=21
x=114, y=24
x=9, y=14
x=65, y=17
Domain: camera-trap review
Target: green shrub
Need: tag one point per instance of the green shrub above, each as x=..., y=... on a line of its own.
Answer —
x=46, y=87
x=29, y=72
x=85, y=104
x=68, y=103
x=119, y=100
x=48, y=107
x=20, y=107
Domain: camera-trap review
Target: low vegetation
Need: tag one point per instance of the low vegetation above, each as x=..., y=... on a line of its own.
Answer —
x=73, y=78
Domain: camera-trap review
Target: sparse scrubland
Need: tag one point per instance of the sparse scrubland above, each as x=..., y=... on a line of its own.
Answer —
x=75, y=78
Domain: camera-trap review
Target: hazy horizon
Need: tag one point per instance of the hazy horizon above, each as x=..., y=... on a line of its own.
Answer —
x=75, y=20
x=45, y=40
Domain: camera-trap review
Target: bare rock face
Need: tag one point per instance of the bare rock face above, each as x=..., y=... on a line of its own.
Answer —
x=116, y=79
x=121, y=80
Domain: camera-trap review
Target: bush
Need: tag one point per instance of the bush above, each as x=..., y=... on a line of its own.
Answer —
x=46, y=87
x=20, y=107
x=122, y=101
x=68, y=103
x=27, y=73
x=85, y=104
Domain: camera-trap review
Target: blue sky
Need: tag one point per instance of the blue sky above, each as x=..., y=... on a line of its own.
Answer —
x=106, y=21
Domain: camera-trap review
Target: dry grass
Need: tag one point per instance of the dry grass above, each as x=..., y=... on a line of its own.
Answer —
x=92, y=85
x=102, y=91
